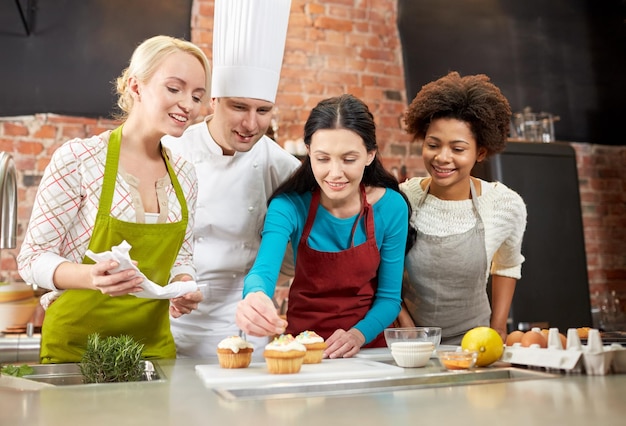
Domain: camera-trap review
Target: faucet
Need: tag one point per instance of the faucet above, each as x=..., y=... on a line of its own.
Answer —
x=8, y=202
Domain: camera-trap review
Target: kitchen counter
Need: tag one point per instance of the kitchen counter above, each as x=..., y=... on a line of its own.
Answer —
x=183, y=399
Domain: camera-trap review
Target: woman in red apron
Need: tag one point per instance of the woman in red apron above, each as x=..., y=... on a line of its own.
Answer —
x=120, y=185
x=344, y=213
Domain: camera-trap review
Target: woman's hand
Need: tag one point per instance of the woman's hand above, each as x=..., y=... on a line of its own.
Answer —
x=501, y=329
x=114, y=283
x=186, y=303
x=344, y=344
x=404, y=319
x=257, y=316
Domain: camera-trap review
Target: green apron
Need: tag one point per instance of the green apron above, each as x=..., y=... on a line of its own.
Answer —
x=78, y=313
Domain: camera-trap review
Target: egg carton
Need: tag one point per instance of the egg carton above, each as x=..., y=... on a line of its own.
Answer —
x=594, y=358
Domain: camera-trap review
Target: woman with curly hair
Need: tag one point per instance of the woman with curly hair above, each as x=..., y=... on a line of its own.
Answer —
x=466, y=228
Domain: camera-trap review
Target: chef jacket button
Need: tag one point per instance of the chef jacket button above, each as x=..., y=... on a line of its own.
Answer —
x=255, y=165
x=251, y=208
x=234, y=275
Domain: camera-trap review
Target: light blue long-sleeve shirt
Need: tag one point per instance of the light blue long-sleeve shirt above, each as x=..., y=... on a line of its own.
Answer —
x=285, y=221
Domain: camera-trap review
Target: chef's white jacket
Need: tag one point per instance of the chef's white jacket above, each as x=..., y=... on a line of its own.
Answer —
x=232, y=203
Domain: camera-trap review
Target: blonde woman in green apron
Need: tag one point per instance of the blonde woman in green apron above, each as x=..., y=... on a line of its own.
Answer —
x=467, y=228
x=121, y=185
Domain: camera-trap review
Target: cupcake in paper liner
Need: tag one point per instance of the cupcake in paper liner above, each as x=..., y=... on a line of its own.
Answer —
x=284, y=355
x=234, y=352
x=314, y=344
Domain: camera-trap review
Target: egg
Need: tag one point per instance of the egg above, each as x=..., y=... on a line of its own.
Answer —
x=514, y=337
x=583, y=332
x=534, y=338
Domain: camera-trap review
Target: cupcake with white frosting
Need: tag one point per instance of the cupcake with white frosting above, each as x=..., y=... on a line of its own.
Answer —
x=234, y=352
x=284, y=355
x=314, y=344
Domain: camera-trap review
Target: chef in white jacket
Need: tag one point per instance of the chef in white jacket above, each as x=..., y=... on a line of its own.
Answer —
x=238, y=167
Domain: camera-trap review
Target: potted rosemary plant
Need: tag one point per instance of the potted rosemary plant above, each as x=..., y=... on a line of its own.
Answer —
x=112, y=359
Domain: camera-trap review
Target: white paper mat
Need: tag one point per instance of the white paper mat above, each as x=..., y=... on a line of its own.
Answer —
x=329, y=369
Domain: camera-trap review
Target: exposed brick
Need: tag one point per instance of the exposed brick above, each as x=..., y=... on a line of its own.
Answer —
x=67, y=119
x=333, y=76
x=6, y=144
x=338, y=2
x=29, y=148
x=45, y=132
x=296, y=59
x=356, y=64
x=314, y=8
x=15, y=129
x=355, y=91
x=334, y=49
x=397, y=149
x=342, y=12
x=42, y=163
x=378, y=54
x=24, y=162
x=328, y=23
x=336, y=37
x=73, y=131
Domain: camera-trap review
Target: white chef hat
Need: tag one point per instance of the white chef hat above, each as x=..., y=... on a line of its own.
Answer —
x=248, y=46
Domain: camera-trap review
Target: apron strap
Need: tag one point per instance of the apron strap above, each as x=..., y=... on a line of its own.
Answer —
x=472, y=192
x=365, y=212
x=176, y=184
x=110, y=171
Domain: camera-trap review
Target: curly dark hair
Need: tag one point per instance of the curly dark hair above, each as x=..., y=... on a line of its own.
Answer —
x=472, y=99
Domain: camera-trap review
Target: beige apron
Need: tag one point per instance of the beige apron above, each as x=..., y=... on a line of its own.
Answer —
x=78, y=313
x=446, y=284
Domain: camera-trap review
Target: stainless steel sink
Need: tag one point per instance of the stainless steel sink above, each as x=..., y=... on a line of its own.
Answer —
x=387, y=384
x=69, y=374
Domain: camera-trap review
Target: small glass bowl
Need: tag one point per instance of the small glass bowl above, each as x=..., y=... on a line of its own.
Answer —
x=457, y=360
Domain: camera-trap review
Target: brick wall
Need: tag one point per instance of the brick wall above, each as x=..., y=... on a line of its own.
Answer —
x=334, y=47
x=602, y=180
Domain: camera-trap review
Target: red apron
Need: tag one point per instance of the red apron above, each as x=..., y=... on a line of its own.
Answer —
x=334, y=290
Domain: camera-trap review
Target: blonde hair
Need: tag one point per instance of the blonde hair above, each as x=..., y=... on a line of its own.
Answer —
x=146, y=59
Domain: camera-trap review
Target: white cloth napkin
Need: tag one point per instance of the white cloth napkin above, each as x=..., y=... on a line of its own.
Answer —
x=151, y=290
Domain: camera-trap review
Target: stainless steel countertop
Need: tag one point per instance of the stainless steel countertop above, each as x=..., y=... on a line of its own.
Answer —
x=183, y=399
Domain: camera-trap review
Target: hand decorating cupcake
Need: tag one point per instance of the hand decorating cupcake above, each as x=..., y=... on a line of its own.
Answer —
x=314, y=344
x=234, y=352
x=284, y=355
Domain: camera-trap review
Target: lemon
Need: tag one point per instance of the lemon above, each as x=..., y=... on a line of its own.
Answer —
x=486, y=341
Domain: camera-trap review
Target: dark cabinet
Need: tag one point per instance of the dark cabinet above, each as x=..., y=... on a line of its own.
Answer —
x=554, y=288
